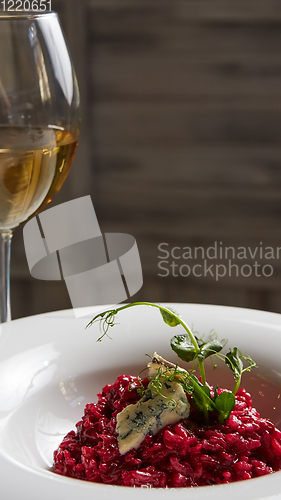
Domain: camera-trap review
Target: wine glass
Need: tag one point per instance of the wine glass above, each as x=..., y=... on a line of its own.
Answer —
x=39, y=124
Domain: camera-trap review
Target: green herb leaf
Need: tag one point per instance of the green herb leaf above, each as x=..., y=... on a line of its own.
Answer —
x=210, y=348
x=201, y=395
x=184, y=348
x=235, y=363
x=234, y=360
x=171, y=318
x=225, y=402
x=200, y=342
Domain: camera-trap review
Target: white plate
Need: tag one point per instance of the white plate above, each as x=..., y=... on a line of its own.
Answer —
x=50, y=367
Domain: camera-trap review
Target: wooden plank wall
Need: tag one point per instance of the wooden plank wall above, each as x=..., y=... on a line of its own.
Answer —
x=183, y=111
x=186, y=107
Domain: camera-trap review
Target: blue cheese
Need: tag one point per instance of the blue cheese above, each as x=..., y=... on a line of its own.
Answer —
x=150, y=414
x=158, y=363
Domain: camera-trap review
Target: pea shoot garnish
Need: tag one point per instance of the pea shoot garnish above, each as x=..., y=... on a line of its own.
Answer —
x=189, y=348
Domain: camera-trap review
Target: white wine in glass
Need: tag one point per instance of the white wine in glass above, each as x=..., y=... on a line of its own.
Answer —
x=39, y=124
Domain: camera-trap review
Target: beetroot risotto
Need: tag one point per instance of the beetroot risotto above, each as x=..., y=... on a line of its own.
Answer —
x=171, y=429
x=180, y=455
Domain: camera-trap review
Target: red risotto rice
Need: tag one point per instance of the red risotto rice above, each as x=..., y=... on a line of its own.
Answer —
x=181, y=455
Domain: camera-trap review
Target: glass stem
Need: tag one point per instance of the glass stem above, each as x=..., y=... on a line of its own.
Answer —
x=5, y=258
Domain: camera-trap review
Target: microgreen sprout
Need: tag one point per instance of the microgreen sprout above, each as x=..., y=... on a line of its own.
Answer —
x=234, y=360
x=188, y=347
x=170, y=317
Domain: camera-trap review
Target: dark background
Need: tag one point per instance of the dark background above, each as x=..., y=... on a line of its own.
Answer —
x=181, y=139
